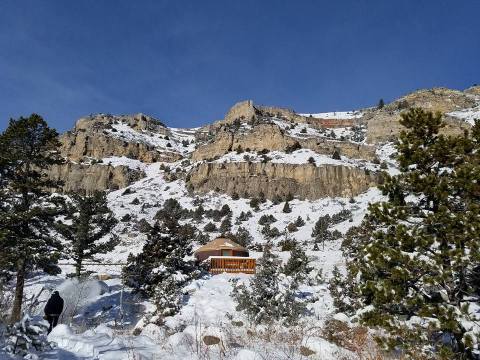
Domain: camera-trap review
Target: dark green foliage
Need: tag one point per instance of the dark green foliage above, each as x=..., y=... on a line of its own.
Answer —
x=143, y=226
x=381, y=104
x=235, y=196
x=226, y=225
x=341, y=216
x=266, y=219
x=225, y=210
x=270, y=232
x=415, y=254
x=28, y=147
x=286, y=208
x=243, y=237
x=336, y=155
x=299, y=222
x=287, y=243
x=126, y=218
x=311, y=160
x=164, y=265
x=298, y=265
x=171, y=211
x=254, y=204
x=265, y=301
x=198, y=213
x=202, y=238
x=210, y=227
x=244, y=216
x=88, y=221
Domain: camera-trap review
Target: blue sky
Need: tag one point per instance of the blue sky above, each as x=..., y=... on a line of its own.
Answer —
x=187, y=62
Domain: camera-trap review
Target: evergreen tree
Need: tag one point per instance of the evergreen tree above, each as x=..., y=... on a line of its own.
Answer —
x=267, y=299
x=415, y=253
x=88, y=221
x=298, y=265
x=198, y=213
x=226, y=225
x=28, y=147
x=320, y=231
x=299, y=222
x=243, y=237
x=164, y=265
x=381, y=104
x=286, y=208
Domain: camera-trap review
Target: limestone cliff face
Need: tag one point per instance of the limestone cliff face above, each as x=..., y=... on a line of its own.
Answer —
x=383, y=124
x=95, y=177
x=272, y=138
x=95, y=137
x=77, y=145
x=344, y=148
x=305, y=181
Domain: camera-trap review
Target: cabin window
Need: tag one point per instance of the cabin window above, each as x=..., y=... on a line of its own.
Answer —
x=226, y=252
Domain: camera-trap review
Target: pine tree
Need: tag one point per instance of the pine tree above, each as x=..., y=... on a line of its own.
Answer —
x=415, y=253
x=267, y=300
x=226, y=225
x=88, y=221
x=167, y=252
x=381, y=104
x=298, y=265
x=320, y=231
x=243, y=237
x=286, y=208
x=28, y=147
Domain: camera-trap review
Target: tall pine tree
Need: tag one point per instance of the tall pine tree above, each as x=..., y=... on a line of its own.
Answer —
x=28, y=147
x=416, y=256
x=88, y=221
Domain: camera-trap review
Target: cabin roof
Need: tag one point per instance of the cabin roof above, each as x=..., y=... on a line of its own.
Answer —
x=220, y=244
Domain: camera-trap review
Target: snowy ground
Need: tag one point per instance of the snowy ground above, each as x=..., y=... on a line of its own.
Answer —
x=102, y=315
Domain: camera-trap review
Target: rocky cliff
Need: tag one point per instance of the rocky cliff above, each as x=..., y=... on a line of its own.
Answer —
x=356, y=137
x=383, y=124
x=89, y=178
x=279, y=180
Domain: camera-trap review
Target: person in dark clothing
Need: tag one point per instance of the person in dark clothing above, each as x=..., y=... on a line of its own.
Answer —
x=53, y=309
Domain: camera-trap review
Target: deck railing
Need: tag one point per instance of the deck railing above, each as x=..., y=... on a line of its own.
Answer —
x=232, y=264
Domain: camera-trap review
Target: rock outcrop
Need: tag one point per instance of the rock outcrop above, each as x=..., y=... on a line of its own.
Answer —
x=383, y=124
x=94, y=177
x=95, y=137
x=270, y=137
x=276, y=180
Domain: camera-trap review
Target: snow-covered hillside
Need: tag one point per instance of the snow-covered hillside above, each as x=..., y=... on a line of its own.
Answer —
x=209, y=309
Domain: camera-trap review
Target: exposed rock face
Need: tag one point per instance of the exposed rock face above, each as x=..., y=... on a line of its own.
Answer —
x=278, y=180
x=77, y=145
x=344, y=148
x=263, y=136
x=272, y=138
x=90, y=138
x=96, y=177
x=383, y=124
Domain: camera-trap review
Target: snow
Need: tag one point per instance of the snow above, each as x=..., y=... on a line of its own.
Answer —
x=336, y=115
x=297, y=157
x=124, y=161
x=468, y=115
x=160, y=142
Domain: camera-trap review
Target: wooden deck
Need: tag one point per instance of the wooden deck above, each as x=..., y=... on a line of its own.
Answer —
x=232, y=264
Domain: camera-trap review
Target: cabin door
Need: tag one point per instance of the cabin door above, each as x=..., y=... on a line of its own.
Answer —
x=227, y=252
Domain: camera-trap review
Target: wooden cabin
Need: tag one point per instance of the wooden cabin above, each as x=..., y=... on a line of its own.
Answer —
x=226, y=255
